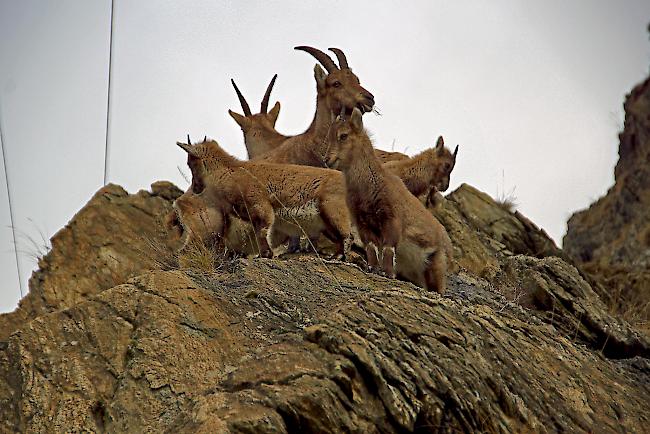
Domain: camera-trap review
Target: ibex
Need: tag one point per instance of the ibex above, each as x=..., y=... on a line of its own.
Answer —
x=337, y=90
x=393, y=225
x=205, y=224
x=260, y=135
x=426, y=173
x=386, y=156
x=280, y=201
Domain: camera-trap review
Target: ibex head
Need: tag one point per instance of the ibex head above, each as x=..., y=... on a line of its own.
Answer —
x=348, y=141
x=340, y=87
x=203, y=158
x=261, y=120
x=446, y=160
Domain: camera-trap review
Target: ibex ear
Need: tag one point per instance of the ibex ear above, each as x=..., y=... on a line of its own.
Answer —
x=188, y=148
x=356, y=119
x=440, y=145
x=273, y=114
x=320, y=75
x=241, y=120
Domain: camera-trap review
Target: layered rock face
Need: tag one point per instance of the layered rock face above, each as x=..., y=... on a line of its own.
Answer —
x=521, y=342
x=112, y=238
x=611, y=239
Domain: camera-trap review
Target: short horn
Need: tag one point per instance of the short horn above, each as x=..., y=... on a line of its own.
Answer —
x=242, y=100
x=323, y=58
x=343, y=61
x=189, y=142
x=455, y=152
x=267, y=95
x=205, y=139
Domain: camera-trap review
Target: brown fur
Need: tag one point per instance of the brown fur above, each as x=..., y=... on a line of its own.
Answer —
x=278, y=200
x=426, y=173
x=398, y=232
x=386, y=156
x=337, y=90
x=205, y=224
x=260, y=135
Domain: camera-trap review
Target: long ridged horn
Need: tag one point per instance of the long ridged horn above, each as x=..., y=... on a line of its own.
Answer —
x=323, y=58
x=267, y=95
x=343, y=61
x=242, y=100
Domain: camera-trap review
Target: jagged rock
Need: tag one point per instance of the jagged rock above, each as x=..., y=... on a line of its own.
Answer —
x=552, y=286
x=309, y=346
x=510, y=228
x=113, y=237
x=611, y=239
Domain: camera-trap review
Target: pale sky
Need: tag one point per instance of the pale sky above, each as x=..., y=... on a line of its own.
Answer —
x=532, y=91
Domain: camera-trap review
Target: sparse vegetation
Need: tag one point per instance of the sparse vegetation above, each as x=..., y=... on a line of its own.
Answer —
x=32, y=247
x=506, y=200
x=628, y=302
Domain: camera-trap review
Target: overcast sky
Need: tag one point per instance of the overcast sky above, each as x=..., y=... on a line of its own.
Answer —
x=532, y=92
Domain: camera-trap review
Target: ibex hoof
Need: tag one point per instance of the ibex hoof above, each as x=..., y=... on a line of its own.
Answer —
x=266, y=254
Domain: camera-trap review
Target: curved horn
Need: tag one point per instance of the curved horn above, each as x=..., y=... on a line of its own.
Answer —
x=242, y=100
x=455, y=152
x=323, y=58
x=267, y=95
x=343, y=61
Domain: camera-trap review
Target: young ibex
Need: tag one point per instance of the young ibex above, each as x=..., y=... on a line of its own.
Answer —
x=386, y=156
x=205, y=224
x=394, y=226
x=279, y=200
x=260, y=135
x=337, y=90
x=427, y=173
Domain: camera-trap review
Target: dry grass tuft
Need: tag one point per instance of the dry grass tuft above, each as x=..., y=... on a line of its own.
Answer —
x=632, y=306
x=160, y=254
x=507, y=204
x=507, y=201
x=628, y=293
x=201, y=258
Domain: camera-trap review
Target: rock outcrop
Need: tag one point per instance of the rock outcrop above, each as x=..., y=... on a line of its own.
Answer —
x=112, y=238
x=611, y=239
x=113, y=338
x=309, y=346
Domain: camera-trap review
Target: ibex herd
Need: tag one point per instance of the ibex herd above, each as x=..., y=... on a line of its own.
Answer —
x=351, y=194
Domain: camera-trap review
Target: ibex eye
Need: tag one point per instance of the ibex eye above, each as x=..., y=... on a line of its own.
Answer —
x=337, y=84
x=343, y=137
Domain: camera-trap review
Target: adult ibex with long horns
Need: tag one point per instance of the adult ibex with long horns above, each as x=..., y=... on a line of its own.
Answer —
x=337, y=90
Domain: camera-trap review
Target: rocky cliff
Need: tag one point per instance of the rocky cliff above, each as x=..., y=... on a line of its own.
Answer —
x=611, y=239
x=116, y=337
